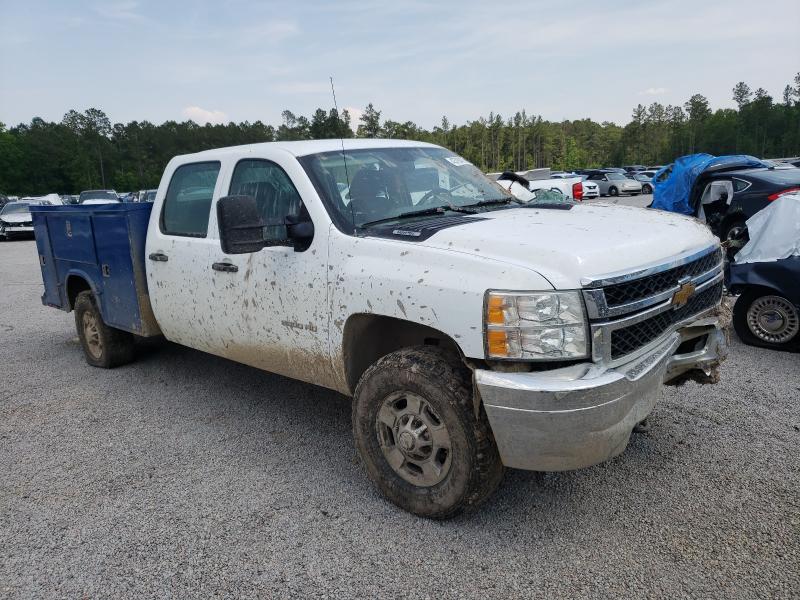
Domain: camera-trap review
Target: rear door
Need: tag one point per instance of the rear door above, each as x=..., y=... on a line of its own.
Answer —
x=178, y=253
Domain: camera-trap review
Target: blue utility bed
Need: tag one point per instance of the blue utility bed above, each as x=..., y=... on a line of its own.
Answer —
x=100, y=246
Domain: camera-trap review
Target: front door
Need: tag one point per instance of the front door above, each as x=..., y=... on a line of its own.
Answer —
x=274, y=300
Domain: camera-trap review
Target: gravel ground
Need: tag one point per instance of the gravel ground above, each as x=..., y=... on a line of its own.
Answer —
x=186, y=475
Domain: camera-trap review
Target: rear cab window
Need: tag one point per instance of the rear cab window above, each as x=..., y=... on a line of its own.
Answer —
x=187, y=205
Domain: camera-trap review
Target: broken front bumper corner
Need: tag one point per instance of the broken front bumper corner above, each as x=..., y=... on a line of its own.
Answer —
x=581, y=415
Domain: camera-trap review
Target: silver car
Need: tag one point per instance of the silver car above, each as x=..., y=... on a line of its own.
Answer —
x=646, y=181
x=614, y=184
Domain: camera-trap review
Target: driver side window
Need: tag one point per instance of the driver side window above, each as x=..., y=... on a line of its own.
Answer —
x=275, y=194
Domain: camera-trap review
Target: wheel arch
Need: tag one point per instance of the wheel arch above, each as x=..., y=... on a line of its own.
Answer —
x=367, y=337
x=75, y=283
x=763, y=289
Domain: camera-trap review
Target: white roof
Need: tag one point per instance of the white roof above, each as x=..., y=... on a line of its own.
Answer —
x=305, y=147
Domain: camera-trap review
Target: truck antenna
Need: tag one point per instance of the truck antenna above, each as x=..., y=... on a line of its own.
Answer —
x=344, y=158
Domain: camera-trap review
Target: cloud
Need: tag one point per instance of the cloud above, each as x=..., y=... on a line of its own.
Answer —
x=653, y=91
x=120, y=11
x=304, y=87
x=203, y=116
x=355, y=115
x=272, y=32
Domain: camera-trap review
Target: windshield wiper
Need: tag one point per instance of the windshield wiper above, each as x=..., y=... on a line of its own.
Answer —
x=436, y=210
x=494, y=201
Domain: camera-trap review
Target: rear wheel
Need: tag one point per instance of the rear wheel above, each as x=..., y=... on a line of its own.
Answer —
x=103, y=346
x=417, y=433
x=763, y=318
x=613, y=191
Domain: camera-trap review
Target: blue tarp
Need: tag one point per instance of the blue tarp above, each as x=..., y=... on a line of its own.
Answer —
x=674, y=192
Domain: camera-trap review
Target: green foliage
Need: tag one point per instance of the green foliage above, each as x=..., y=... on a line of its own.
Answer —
x=370, y=123
x=86, y=151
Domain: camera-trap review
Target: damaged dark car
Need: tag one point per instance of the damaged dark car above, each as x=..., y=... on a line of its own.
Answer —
x=729, y=197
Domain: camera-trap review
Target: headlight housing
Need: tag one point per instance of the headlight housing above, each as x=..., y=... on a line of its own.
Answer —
x=535, y=326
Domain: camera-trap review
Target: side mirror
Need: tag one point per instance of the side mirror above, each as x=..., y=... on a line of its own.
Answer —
x=241, y=228
x=300, y=231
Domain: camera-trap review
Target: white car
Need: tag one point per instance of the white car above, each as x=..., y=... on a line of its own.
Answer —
x=16, y=220
x=99, y=197
x=590, y=189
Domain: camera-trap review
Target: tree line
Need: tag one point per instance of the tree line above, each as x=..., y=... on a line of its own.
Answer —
x=86, y=151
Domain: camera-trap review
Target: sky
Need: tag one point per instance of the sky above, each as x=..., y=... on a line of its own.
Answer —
x=245, y=60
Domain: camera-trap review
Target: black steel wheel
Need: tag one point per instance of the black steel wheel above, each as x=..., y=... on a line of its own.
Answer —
x=416, y=430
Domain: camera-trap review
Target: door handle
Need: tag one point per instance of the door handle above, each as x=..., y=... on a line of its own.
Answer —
x=158, y=257
x=225, y=267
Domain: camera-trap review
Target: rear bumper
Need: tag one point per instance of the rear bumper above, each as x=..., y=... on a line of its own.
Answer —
x=583, y=414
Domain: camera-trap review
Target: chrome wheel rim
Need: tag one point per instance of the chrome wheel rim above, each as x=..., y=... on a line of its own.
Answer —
x=91, y=333
x=414, y=439
x=773, y=319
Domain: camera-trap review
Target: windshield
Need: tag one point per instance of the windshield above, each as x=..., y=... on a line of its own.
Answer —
x=15, y=208
x=98, y=195
x=150, y=196
x=385, y=183
x=615, y=176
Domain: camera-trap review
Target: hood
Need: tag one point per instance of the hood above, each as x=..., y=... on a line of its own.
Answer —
x=17, y=218
x=565, y=246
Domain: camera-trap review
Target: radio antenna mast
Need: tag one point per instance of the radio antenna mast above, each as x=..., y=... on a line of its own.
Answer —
x=344, y=159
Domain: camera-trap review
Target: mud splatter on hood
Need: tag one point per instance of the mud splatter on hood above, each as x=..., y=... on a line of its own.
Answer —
x=567, y=245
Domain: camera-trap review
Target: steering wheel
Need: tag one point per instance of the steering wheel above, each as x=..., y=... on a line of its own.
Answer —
x=431, y=194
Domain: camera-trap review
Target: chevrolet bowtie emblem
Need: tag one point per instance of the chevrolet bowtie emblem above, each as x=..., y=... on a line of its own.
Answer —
x=681, y=297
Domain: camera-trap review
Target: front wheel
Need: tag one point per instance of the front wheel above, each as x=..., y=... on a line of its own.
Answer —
x=416, y=431
x=647, y=189
x=763, y=318
x=103, y=346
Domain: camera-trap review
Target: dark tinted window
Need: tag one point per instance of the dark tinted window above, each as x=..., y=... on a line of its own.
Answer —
x=269, y=184
x=188, y=201
x=739, y=185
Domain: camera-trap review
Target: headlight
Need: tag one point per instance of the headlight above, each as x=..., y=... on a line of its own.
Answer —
x=535, y=326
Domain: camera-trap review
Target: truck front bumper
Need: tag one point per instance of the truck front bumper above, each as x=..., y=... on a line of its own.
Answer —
x=584, y=414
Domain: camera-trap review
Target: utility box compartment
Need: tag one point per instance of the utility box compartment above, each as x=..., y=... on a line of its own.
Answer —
x=102, y=246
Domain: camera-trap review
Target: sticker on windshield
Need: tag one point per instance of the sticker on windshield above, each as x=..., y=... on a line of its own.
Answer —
x=457, y=161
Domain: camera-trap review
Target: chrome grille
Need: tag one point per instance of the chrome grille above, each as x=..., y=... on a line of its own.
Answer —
x=629, y=339
x=631, y=291
x=631, y=312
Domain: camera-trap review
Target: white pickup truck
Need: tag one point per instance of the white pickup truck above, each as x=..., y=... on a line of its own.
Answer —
x=473, y=331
